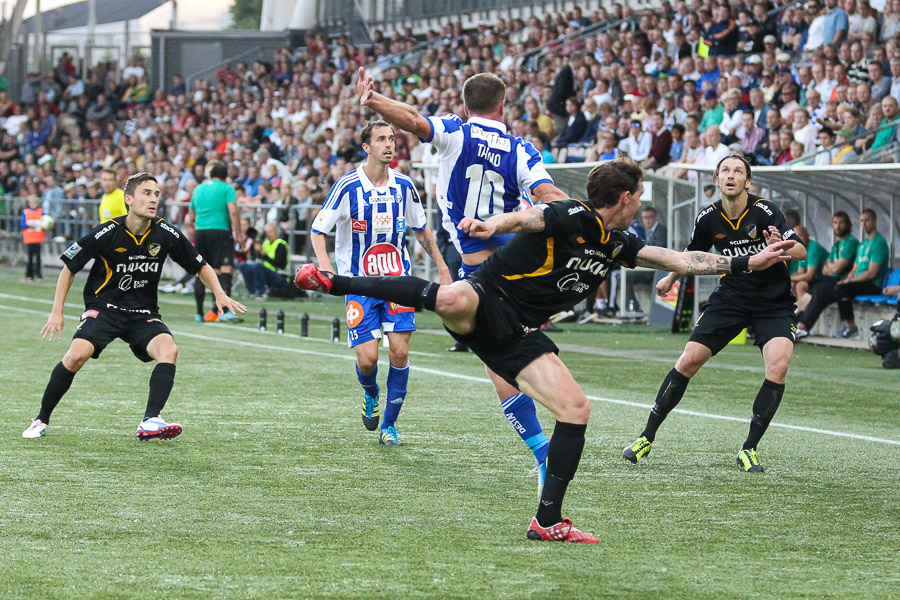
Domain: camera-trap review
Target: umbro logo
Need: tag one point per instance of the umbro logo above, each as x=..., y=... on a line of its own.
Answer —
x=121, y=250
x=720, y=236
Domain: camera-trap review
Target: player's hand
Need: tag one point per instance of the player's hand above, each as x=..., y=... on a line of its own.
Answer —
x=773, y=253
x=664, y=286
x=476, y=228
x=226, y=303
x=365, y=87
x=771, y=235
x=55, y=323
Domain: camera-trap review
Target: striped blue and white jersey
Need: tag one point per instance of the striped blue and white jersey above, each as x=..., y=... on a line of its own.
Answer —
x=370, y=223
x=483, y=171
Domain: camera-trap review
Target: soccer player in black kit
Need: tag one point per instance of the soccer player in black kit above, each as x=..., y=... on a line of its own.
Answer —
x=739, y=224
x=120, y=301
x=562, y=252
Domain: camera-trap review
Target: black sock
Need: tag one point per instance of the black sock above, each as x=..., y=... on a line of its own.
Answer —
x=60, y=382
x=767, y=400
x=199, y=294
x=161, y=381
x=668, y=397
x=225, y=280
x=563, y=455
x=406, y=291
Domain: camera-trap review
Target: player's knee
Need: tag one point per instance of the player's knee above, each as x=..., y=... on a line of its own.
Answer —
x=688, y=364
x=399, y=357
x=75, y=359
x=169, y=354
x=451, y=300
x=366, y=363
x=577, y=409
x=777, y=368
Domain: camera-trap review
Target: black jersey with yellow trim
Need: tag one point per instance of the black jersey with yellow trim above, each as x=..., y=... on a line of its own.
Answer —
x=546, y=272
x=744, y=237
x=126, y=270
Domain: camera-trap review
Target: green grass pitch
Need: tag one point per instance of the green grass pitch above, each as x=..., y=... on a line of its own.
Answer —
x=275, y=490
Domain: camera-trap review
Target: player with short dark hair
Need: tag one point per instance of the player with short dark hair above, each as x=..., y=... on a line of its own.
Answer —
x=120, y=301
x=482, y=171
x=740, y=224
x=215, y=216
x=561, y=252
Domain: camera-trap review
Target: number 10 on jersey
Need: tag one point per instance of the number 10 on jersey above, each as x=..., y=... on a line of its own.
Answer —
x=484, y=197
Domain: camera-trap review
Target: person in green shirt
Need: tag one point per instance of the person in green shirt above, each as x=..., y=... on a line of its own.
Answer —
x=865, y=279
x=891, y=111
x=809, y=270
x=713, y=111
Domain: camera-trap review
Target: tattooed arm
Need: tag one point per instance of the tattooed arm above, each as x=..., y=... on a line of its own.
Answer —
x=530, y=221
x=704, y=263
x=426, y=238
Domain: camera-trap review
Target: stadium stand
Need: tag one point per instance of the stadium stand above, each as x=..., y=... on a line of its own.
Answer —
x=288, y=127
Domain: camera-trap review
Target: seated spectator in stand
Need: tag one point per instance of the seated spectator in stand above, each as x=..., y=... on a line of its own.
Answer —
x=869, y=268
x=809, y=270
x=539, y=141
x=660, y=144
x=270, y=270
x=732, y=118
x=637, y=144
x=693, y=150
x=828, y=151
x=574, y=127
x=798, y=152
x=605, y=148
x=677, y=149
x=753, y=137
x=887, y=135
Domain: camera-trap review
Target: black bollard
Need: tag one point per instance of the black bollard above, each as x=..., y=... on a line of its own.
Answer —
x=262, y=319
x=335, y=330
x=304, y=325
x=279, y=322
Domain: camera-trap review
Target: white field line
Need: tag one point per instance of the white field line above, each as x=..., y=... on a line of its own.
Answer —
x=484, y=380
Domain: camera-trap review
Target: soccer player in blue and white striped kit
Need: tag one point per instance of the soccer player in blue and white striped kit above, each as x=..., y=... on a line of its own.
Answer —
x=369, y=209
x=482, y=172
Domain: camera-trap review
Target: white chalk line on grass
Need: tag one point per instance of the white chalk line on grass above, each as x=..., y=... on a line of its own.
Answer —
x=485, y=380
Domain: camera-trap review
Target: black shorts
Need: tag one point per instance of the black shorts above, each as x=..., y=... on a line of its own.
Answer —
x=500, y=339
x=101, y=326
x=216, y=246
x=722, y=320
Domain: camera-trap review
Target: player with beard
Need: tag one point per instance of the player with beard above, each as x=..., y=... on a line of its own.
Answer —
x=738, y=225
x=561, y=252
x=120, y=301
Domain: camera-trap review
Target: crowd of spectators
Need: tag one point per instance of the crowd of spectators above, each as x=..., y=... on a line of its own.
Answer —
x=689, y=82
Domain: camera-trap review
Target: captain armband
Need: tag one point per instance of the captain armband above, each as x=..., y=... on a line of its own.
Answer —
x=740, y=264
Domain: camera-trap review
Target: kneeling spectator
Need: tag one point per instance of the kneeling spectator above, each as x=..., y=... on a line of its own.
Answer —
x=271, y=268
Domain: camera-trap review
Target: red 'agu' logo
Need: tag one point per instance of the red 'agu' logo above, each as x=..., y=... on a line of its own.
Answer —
x=382, y=259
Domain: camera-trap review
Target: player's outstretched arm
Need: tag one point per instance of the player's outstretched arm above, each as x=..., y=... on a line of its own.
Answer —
x=318, y=243
x=209, y=278
x=529, y=221
x=396, y=113
x=57, y=319
x=704, y=263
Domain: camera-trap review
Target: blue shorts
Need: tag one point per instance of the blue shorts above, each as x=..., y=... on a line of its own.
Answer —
x=366, y=317
x=466, y=270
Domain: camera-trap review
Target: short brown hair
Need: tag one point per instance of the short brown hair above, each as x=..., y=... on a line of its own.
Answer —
x=606, y=182
x=109, y=170
x=365, y=136
x=136, y=180
x=483, y=93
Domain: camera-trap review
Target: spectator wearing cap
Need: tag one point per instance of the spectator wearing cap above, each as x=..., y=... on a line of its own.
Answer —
x=638, y=142
x=732, y=117
x=660, y=144
x=713, y=111
x=836, y=24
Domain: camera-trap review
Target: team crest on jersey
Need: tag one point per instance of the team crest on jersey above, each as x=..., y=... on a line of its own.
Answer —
x=382, y=260
x=617, y=249
x=751, y=231
x=396, y=309
x=153, y=249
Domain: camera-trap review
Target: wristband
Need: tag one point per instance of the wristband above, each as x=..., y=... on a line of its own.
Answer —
x=739, y=264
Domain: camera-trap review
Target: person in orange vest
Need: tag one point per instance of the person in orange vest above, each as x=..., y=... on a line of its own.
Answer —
x=33, y=236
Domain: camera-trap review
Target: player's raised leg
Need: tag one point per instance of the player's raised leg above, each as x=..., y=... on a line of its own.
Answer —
x=548, y=380
x=163, y=350
x=669, y=395
x=60, y=381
